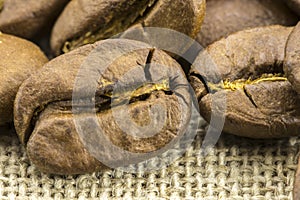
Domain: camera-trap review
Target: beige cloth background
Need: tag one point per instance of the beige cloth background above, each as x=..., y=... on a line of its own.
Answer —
x=236, y=168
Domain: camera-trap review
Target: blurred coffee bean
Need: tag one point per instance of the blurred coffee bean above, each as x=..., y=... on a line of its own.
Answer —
x=19, y=59
x=224, y=17
x=26, y=18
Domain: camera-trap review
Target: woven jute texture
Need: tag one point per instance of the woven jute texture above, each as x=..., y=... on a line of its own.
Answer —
x=236, y=168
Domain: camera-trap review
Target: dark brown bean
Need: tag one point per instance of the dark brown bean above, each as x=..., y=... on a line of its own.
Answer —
x=292, y=59
x=19, y=58
x=84, y=22
x=292, y=69
x=27, y=18
x=43, y=107
x=225, y=17
x=247, y=70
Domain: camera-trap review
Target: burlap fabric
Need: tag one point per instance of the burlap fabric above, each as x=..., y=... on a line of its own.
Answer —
x=236, y=168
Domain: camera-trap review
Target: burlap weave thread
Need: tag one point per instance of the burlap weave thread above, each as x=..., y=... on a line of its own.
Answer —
x=236, y=168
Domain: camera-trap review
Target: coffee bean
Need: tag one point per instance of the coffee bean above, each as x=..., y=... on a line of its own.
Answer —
x=84, y=22
x=292, y=69
x=27, y=18
x=294, y=5
x=246, y=70
x=226, y=17
x=19, y=58
x=292, y=59
x=44, y=111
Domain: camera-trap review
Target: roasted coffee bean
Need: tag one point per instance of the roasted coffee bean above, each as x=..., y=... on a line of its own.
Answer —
x=19, y=58
x=226, y=17
x=45, y=122
x=292, y=69
x=84, y=22
x=294, y=5
x=27, y=18
x=246, y=69
x=292, y=59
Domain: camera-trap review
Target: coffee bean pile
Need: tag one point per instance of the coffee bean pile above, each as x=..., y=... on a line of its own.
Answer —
x=69, y=67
